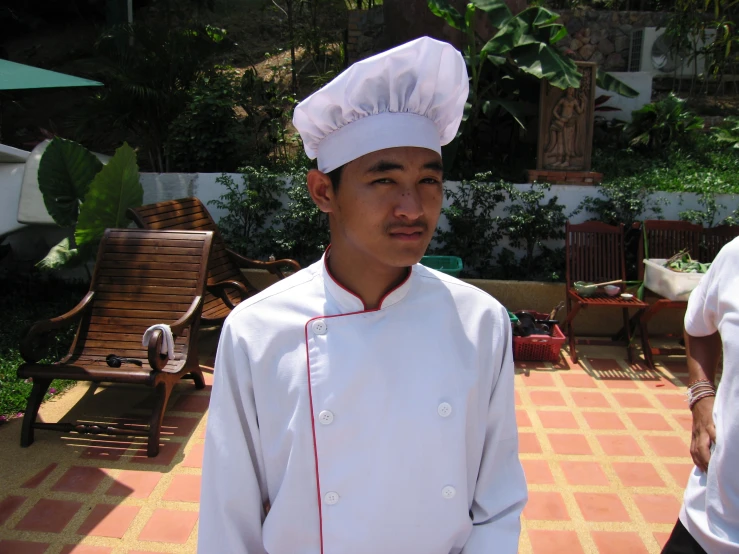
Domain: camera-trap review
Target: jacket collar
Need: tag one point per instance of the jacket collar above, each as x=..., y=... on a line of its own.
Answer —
x=350, y=302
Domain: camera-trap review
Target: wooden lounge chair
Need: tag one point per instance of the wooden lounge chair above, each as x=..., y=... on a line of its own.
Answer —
x=664, y=239
x=226, y=285
x=595, y=254
x=141, y=278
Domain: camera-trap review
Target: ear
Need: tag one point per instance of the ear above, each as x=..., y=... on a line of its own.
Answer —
x=321, y=190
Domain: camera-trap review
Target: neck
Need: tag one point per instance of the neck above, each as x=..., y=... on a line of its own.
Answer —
x=369, y=281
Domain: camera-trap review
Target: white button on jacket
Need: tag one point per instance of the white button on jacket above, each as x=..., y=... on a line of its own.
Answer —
x=319, y=327
x=331, y=498
x=326, y=417
x=424, y=456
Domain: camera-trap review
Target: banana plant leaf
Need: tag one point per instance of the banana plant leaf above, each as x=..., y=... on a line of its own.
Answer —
x=115, y=189
x=516, y=108
x=608, y=82
x=544, y=62
x=442, y=8
x=538, y=24
x=65, y=172
x=497, y=11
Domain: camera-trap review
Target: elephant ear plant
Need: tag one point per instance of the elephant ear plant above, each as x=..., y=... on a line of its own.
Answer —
x=80, y=192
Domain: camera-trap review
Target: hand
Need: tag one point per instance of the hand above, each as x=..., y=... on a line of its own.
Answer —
x=704, y=433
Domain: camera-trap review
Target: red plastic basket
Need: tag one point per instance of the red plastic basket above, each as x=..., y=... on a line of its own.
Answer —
x=539, y=348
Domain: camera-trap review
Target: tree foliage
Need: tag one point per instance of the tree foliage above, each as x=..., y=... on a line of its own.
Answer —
x=148, y=71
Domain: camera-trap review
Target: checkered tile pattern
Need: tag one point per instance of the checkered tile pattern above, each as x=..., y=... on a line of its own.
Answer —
x=98, y=496
x=604, y=447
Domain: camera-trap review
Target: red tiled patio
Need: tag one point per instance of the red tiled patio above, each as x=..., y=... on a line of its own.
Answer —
x=604, y=446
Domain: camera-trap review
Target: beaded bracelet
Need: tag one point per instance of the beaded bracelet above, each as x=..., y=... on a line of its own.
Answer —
x=694, y=400
x=701, y=387
x=698, y=390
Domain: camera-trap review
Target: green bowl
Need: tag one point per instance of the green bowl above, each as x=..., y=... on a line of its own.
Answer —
x=585, y=289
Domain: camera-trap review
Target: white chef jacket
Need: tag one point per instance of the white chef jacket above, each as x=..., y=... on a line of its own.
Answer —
x=710, y=510
x=387, y=431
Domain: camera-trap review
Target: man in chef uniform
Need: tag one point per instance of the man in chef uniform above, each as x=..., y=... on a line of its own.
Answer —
x=365, y=404
x=709, y=517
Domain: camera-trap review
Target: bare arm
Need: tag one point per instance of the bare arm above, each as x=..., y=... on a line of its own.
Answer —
x=702, y=356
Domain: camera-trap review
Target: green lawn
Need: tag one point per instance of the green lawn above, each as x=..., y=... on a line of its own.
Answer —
x=23, y=301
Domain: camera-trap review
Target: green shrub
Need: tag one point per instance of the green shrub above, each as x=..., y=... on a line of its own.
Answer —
x=300, y=230
x=625, y=200
x=728, y=132
x=249, y=207
x=677, y=168
x=707, y=185
x=662, y=123
x=530, y=222
x=473, y=230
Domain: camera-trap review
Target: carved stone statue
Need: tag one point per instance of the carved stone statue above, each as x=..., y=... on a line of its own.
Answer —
x=566, y=124
x=563, y=143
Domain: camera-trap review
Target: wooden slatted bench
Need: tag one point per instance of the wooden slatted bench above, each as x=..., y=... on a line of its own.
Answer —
x=141, y=278
x=226, y=285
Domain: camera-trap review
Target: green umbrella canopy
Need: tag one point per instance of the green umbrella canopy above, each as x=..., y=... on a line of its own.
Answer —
x=16, y=76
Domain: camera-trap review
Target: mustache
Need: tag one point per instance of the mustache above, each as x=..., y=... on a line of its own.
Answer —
x=416, y=225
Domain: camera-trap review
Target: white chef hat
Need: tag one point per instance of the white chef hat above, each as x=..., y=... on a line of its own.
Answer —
x=412, y=95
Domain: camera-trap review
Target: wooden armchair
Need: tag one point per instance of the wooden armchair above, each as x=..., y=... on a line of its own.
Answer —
x=226, y=285
x=664, y=239
x=595, y=254
x=141, y=278
x=715, y=238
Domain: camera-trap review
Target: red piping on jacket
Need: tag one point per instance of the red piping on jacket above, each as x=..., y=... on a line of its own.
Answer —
x=365, y=310
x=310, y=387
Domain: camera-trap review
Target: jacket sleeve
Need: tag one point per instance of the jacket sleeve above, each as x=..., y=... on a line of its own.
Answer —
x=233, y=487
x=500, y=493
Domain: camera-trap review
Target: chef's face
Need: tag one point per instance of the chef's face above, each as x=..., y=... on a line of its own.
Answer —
x=386, y=206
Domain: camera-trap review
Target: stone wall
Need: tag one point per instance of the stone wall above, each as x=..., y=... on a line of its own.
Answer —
x=603, y=36
x=366, y=33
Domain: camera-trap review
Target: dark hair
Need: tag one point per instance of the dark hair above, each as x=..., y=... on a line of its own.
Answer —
x=335, y=176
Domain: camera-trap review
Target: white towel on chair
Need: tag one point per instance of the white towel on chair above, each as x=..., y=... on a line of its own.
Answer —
x=167, y=342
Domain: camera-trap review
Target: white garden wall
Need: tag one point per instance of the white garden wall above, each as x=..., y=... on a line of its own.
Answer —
x=164, y=186
x=31, y=243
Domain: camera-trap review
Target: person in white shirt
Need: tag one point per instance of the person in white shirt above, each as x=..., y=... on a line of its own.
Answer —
x=365, y=404
x=709, y=518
